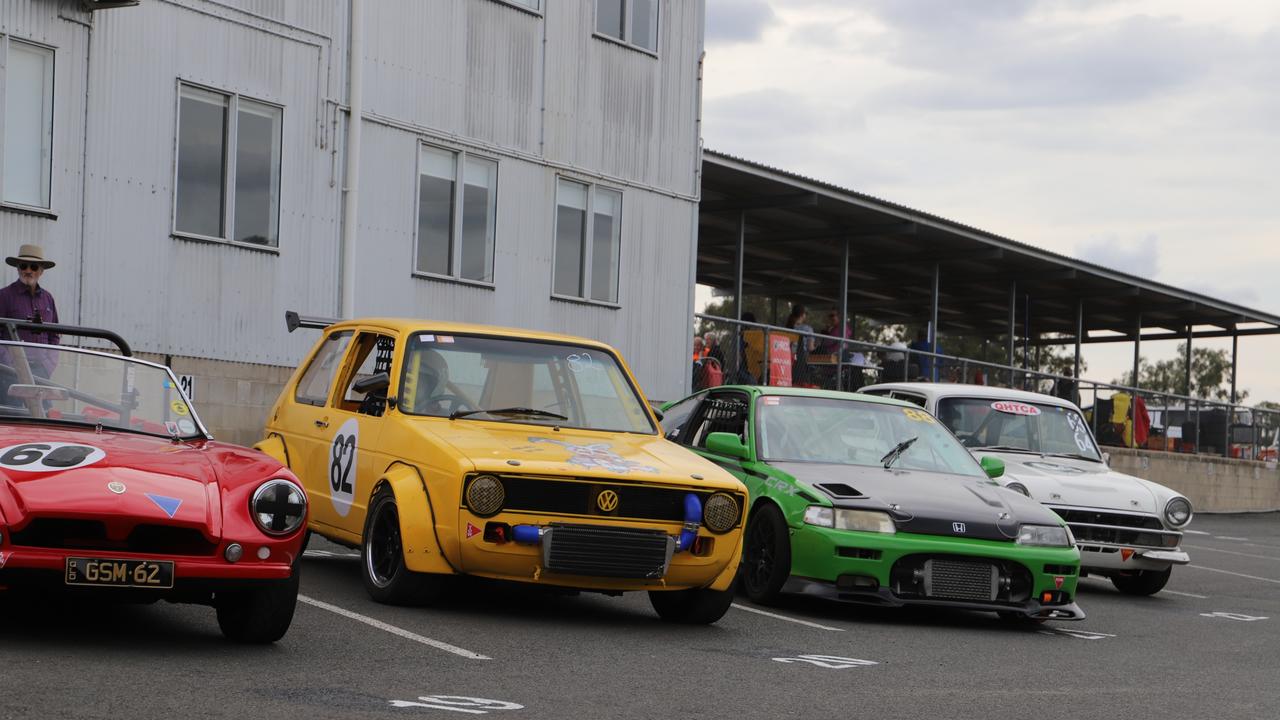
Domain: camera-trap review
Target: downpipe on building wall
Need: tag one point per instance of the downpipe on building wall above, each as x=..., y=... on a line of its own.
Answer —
x=351, y=176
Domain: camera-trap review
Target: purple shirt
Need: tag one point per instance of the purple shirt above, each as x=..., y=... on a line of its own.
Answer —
x=18, y=302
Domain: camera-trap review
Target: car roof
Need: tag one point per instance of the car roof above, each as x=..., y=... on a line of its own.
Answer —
x=815, y=393
x=412, y=325
x=941, y=390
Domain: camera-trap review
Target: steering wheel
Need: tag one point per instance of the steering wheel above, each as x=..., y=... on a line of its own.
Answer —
x=455, y=402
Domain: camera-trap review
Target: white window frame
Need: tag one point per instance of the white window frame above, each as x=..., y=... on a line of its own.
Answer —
x=625, y=40
x=460, y=156
x=587, y=241
x=517, y=4
x=229, y=181
x=50, y=102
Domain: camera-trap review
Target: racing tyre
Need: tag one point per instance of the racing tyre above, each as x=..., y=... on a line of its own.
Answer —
x=386, y=578
x=699, y=606
x=259, y=616
x=1142, y=582
x=766, y=555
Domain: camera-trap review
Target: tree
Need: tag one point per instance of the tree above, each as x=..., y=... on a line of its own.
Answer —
x=1210, y=375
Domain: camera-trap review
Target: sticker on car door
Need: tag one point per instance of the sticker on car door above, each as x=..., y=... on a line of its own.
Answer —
x=342, y=466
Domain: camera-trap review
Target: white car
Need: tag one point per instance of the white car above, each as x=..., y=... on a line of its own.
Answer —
x=1127, y=528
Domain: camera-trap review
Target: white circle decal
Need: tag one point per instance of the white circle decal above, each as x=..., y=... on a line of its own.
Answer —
x=342, y=466
x=1015, y=408
x=49, y=456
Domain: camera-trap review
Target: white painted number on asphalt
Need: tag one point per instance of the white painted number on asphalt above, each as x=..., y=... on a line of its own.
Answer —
x=1078, y=634
x=457, y=703
x=1234, y=616
x=828, y=661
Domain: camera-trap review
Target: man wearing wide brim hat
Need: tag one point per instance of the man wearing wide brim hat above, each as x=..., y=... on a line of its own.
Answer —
x=24, y=299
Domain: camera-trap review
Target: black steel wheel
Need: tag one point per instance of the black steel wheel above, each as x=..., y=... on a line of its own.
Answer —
x=386, y=578
x=766, y=554
x=261, y=615
x=1142, y=582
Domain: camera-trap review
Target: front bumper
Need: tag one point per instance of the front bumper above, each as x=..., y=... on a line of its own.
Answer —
x=1104, y=559
x=860, y=567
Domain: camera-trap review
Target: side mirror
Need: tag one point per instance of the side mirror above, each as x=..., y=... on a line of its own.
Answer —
x=993, y=466
x=723, y=443
x=1106, y=458
x=374, y=383
x=657, y=412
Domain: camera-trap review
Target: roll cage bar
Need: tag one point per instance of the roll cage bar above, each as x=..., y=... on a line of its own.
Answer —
x=12, y=327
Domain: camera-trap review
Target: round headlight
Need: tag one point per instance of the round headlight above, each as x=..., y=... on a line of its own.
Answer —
x=1178, y=512
x=1019, y=487
x=485, y=495
x=279, y=507
x=720, y=513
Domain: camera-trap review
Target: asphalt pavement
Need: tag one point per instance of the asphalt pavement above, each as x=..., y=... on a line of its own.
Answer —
x=1206, y=647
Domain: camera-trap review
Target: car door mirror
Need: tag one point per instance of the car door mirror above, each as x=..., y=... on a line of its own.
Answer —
x=723, y=443
x=375, y=383
x=993, y=466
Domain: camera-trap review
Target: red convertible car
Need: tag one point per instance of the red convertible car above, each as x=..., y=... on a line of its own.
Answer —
x=111, y=487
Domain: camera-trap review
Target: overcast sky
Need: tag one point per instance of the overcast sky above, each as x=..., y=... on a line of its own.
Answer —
x=1142, y=135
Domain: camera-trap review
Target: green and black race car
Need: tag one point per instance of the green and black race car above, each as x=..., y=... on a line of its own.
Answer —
x=871, y=500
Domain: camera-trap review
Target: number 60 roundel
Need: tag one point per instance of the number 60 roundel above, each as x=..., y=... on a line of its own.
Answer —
x=342, y=466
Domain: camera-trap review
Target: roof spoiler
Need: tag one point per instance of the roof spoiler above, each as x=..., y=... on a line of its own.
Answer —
x=12, y=327
x=293, y=321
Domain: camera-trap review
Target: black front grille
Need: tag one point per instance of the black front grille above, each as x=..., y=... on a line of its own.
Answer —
x=859, y=553
x=578, y=497
x=1094, y=517
x=606, y=551
x=1116, y=536
x=69, y=534
x=961, y=580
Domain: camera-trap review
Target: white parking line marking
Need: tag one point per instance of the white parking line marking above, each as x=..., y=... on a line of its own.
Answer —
x=1229, y=537
x=1196, y=532
x=1228, y=572
x=1233, y=552
x=788, y=619
x=831, y=662
x=1078, y=634
x=1190, y=595
x=393, y=629
x=329, y=554
x=1234, y=616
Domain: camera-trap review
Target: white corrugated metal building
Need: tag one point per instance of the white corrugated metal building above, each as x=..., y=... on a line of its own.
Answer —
x=531, y=163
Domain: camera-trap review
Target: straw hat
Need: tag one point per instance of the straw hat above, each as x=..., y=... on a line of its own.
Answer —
x=30, y=254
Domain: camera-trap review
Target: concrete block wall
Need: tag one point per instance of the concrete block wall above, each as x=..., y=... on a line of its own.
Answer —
x=1212, y=484
x=231, y=398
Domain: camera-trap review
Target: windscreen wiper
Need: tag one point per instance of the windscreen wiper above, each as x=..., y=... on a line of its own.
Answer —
x=1074, y=456
x=897, y=451
x=507, y=411
x=1007, y=448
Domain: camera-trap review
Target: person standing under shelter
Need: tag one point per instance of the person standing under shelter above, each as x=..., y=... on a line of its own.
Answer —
x=926, y=362
x=24, y=299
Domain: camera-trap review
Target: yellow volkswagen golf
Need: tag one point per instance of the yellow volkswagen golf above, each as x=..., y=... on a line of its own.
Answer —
x=443, y=449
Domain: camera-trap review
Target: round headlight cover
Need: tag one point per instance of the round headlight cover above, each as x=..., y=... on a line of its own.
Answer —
x=720, y=513
x=485, y=495
x=1178, y=512
x=278, y=507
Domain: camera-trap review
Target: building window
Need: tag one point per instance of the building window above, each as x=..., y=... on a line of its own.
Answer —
x=228, y=175
x=456, y=229
x=634, y=22
x=588, y=240
x=27, y=78
x=534, y=5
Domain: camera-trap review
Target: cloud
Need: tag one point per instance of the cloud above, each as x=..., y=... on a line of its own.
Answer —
x=734, y=21
x=1141, y=258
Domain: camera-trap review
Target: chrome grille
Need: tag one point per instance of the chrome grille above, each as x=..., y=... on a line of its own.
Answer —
x=961, y=580
x=1092, y=527
x=606, y=551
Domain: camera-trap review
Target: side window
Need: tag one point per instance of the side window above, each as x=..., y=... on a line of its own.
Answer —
x=725, y=412
x=373, y=355
x=313, y=387
x=677, y=417
x=909, y=397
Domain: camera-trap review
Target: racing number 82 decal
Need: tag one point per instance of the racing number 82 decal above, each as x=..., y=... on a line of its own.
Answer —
x=342, y=466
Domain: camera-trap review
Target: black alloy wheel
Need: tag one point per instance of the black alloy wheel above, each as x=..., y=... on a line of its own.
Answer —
x=766, y=555
x=386, y=578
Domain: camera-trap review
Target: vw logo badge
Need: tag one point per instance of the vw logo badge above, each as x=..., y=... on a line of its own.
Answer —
x=607, y=501
x=116, y=487
x=957, y=527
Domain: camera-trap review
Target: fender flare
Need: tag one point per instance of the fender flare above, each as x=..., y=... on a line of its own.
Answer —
x=419, y=538
x=274, y=445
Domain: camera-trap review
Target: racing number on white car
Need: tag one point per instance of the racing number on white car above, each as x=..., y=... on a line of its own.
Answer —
x=49, y=457
x=342, y=461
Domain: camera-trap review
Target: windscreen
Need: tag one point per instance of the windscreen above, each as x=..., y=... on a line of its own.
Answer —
x=855, y=432
x=501, y=379
x=1018, y=425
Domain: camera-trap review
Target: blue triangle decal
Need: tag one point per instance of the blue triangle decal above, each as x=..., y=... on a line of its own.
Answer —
x=167, y=504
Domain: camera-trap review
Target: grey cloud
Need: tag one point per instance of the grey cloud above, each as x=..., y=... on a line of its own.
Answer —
x=730, y=21
x=1141, y=258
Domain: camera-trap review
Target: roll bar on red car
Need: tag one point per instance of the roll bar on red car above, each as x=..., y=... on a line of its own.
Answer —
x=293, y=321
x=13, y=326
